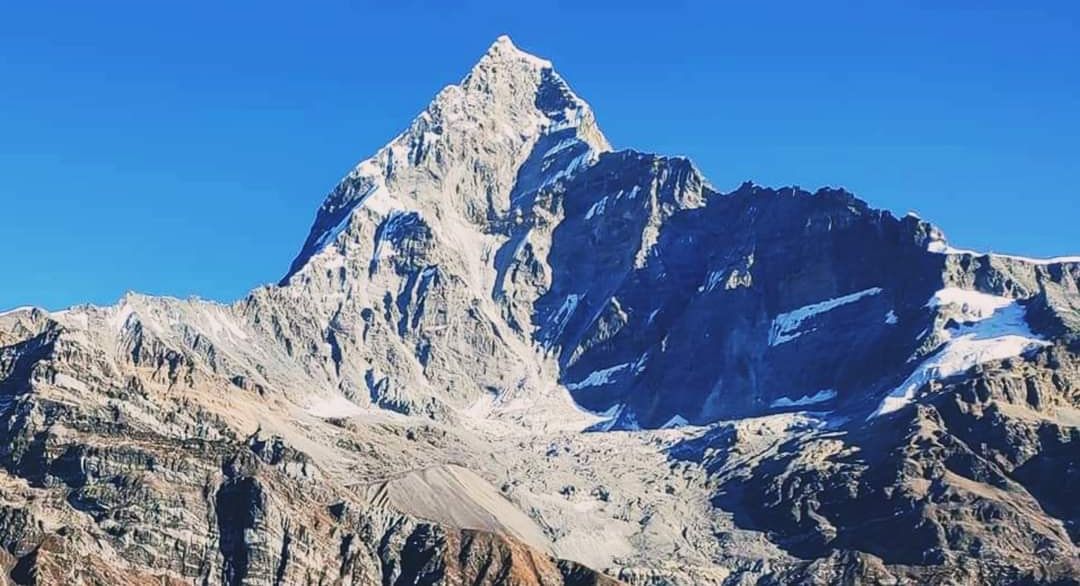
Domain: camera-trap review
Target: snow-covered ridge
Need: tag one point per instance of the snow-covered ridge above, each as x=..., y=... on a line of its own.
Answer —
x=503, y=46
x=19, y=309
x=991, y=328
x=941, y=247
x=785, y=326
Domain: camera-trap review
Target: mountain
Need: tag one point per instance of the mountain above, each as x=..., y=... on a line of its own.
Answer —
x=509, y=354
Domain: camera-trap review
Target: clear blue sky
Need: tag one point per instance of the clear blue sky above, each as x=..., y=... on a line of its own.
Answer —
x=182, y=148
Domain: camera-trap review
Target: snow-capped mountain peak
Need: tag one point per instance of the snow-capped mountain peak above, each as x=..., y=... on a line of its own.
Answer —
x=504, y=50
x=787, y=387
x=460, y=156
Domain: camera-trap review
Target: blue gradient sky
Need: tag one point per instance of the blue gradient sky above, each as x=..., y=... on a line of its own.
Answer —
x=182, y=148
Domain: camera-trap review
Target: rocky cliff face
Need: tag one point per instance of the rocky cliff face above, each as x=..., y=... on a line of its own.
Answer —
x=507, y=354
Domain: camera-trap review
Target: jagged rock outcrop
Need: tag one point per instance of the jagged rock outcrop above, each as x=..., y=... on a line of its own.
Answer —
x=508, y=354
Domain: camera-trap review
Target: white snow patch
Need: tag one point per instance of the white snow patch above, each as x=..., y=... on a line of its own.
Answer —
x=652, y=315
x=994, y=329
x=818, y=397
x=604, y=376
x=597, y=208
x=576, y=164
x=941, y=247
x=972, y=305
x=336, y=407
x=785, y=327
x=600, y=205
x=599, y=377
x=562, y=145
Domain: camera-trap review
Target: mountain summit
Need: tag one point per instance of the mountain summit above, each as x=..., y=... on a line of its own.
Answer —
x=508, y=354
x=460, y=156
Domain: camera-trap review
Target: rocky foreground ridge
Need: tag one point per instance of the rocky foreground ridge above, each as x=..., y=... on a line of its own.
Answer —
x=509, y=354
